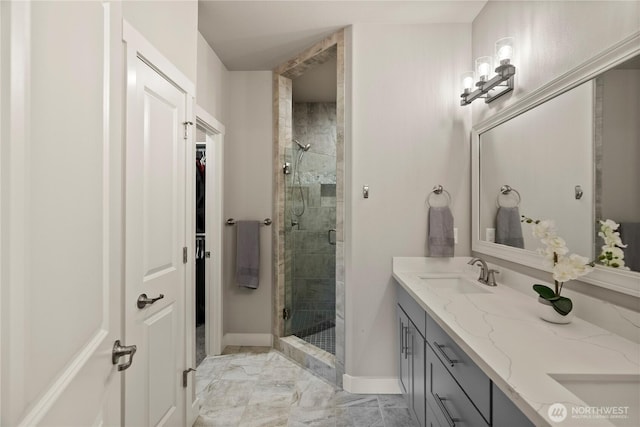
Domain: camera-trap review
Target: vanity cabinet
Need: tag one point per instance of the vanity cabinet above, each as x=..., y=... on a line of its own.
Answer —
x=441, y=383
x=505, y=413
x=464, y=371
x=448, y=401
x=412, y=363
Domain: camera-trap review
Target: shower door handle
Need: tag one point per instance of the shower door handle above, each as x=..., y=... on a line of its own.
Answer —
x=331, y=242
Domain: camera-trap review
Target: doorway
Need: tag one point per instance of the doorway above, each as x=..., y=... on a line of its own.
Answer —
x=207, y=202
x=309, y=210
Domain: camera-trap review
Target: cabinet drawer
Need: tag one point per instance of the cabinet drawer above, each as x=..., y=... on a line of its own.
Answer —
x=413, y=310
x=447, y=402
x=473, y=381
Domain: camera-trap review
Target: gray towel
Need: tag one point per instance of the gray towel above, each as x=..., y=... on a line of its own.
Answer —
x=440, y=235
x=630, y=235
x=248, y=254
x=509, y=227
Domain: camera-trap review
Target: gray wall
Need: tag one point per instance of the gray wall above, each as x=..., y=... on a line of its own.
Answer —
x=248, y=195
x=408, y=133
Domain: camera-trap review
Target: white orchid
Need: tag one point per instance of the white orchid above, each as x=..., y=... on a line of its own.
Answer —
x=612, y=254
x=556, y=244
x=564, y=268
x=544, y=229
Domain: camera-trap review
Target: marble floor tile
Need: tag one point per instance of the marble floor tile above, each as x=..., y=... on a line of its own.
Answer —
x=359, y=416
x=344, y=399
x=319, y=417
x=397, y=417
x=226, y=417
x=392, y=401
x=249, y=387
x=264, y=416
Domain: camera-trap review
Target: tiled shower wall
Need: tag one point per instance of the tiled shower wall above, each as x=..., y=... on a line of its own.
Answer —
x=311, y=276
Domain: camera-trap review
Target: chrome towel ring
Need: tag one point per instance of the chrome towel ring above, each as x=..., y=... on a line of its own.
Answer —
x=439, y=190
x=506, y=190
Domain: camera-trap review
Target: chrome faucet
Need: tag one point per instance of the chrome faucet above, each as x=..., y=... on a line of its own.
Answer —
x=487, y=275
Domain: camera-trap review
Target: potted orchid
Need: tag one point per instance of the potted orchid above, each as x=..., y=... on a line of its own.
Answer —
x=564, y=267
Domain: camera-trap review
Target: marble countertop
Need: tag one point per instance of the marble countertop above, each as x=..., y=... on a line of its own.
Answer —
x=518, y=351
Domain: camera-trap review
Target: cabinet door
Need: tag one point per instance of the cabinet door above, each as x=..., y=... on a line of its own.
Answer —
x=403, y=356
x=505, y=413
x=417, y=357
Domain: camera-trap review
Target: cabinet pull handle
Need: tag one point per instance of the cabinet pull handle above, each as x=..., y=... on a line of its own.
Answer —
x=406, y=341
x=401, y=338
x=440, y=349
x=450, y=419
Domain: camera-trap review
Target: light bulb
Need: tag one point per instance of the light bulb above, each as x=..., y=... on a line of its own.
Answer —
x=504, y=50
x=467, y=81
x=483, y=67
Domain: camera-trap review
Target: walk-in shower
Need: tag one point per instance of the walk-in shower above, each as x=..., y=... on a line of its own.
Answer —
x=309, y=302
x=310, y=256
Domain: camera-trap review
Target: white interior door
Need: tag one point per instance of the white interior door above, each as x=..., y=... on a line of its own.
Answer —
x=155, y=238
x=59, y=216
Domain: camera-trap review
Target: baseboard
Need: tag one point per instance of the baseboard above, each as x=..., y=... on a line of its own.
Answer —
x=247, y=340
x=370, y=385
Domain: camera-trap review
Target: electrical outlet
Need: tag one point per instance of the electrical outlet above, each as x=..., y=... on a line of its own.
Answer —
x=455, y=235
x=490, y=235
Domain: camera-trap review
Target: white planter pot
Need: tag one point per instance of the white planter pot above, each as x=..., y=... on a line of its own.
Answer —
x=548, y=313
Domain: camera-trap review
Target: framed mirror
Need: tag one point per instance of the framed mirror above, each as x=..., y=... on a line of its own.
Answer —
x=569, y=152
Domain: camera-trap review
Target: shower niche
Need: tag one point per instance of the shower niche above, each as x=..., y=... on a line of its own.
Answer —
x=310, y=216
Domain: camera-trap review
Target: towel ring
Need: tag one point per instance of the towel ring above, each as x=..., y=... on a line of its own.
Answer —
x=506, y=190
x=439, y=190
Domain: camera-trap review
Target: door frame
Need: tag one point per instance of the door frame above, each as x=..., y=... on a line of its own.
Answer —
x=213, y=223
x=138, y=47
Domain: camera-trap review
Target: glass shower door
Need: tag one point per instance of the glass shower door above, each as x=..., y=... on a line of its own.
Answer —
x=310, y=222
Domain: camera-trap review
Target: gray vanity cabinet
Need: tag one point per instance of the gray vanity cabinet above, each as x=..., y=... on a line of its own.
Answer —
x=447, y=400
x=441, y=383
x=465, y=372
x=505, y=413
x=411, y=345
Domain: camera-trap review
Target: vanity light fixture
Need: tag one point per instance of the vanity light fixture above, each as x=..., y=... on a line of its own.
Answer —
x=502, y=81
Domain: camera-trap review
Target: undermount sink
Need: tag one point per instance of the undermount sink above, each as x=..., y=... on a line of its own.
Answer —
x=455, y=283
x=606, y=391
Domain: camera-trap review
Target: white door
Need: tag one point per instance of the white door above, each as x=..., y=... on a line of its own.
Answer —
x=155, y=237
x=59, y=217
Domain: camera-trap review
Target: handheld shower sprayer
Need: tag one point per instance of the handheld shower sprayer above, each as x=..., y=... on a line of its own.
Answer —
x=302, y=147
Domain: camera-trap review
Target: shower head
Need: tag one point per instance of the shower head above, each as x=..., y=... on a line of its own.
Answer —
x=302, y=147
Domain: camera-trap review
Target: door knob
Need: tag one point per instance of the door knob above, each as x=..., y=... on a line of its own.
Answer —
x=144, y=300
x=122, y=350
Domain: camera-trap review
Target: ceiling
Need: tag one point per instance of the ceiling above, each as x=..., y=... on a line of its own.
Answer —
x=259, y=35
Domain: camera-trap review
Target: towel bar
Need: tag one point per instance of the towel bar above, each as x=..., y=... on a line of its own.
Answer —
x=231, y=221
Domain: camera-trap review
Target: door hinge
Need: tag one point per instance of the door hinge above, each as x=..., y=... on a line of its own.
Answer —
x=186, y=129
x=185, y=376
x=285, y=313
x=185, y=256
